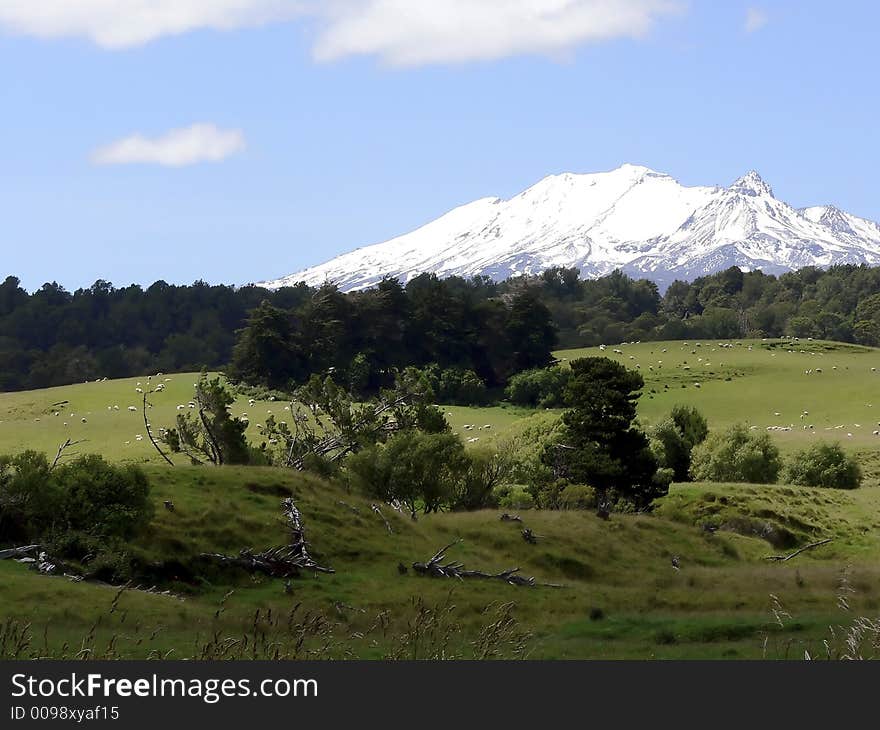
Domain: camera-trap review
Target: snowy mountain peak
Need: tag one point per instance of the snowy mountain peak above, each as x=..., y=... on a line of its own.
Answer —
x=631, y=218
x=752, y=184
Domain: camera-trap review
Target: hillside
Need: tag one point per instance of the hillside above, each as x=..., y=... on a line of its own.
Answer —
x=622, y=597
x=750, y=381
x=632, y=218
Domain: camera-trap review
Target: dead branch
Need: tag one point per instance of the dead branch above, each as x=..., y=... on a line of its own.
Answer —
x=375, y=508
x=510, y=518
x=530, y=537
x=150, y=433
x=435, y=568
x=61, y=449
x=784, y=558
x=287, y=561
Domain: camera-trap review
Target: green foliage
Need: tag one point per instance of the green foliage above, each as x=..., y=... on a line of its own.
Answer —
x=514, y=496
x=29, y=499
x=84, y=502
x=691, y=423
x=55, y=337
x=522, y=448
x=485, y=471
x=539, y=388
x=674, y=438
x=211, y=434
x=823, y=465
x=736, y=455
x=456, y=386
x=414, y=468
x=103, y=499
x=599, y=444
x=578, y=496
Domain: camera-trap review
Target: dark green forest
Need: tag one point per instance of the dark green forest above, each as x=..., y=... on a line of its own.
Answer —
x=474, y=333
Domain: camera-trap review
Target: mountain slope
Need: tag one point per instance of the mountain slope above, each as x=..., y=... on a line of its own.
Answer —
x=632, y=218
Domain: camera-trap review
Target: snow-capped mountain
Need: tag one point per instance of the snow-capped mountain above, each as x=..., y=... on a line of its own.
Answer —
x=632, y=218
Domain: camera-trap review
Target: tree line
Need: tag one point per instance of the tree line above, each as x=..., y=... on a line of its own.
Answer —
x=476, y=333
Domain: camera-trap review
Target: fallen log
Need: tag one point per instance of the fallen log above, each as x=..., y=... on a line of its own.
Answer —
x=784, y=558
x=286, y=561
x=23, y=551
x=510, y=518
x=435, y=568
x=375, y=508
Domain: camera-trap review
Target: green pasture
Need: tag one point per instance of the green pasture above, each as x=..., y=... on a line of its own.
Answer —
x=621, y=595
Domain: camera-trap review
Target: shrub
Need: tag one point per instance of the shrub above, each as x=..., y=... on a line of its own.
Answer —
x=514, y=496
x=674, y=438
x=456, y=386
x=104, y=499
x=823, y=465
x=691, y=423
x=577, y=496
x=29, y=500
x=543, y=388
x=413, y=467
x=522, y=446
x=735, y=455
x=485, y=470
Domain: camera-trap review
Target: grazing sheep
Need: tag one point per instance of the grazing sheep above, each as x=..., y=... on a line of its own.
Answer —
x=83, y=419
x=132, y=409
x=139, y=390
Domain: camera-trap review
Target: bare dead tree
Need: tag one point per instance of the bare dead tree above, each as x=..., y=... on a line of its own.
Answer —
x=149, y=431
x=61, y=449
x=436, y=568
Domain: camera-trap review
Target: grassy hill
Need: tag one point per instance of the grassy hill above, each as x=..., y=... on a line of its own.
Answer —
x=622, y=595
x=728, y=384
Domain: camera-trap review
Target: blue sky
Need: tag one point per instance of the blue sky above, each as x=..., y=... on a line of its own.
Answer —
x=323, y=127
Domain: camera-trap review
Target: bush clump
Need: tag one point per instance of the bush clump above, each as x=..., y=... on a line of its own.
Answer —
x=540, y=388
x=736, y=455
x=80, y=508
x=823, y=465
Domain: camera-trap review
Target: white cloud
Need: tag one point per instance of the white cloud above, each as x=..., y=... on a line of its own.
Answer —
x=179, y=147
x=399, y=32
x=755, y=19
x=415, y=32
x=127, y=23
